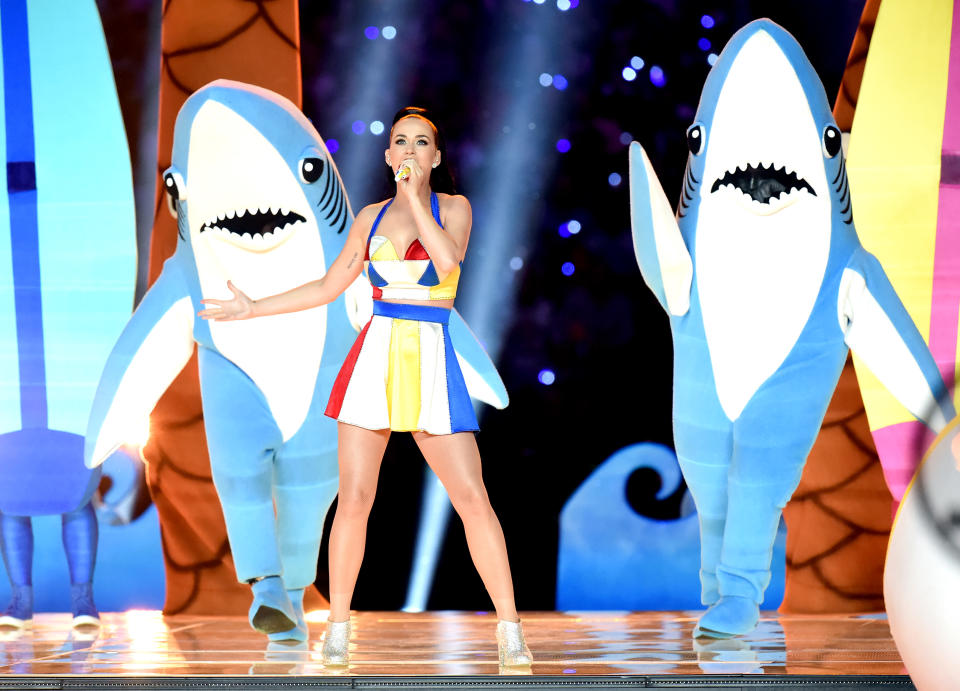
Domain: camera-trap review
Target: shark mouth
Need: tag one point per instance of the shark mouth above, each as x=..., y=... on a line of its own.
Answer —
x=763, y=183
x=260, y=223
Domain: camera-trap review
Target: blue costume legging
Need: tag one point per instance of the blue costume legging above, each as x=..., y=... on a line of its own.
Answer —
x=79, y=531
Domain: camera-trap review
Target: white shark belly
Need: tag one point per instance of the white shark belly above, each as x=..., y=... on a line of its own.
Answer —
x=757, y=283
x=280, y=353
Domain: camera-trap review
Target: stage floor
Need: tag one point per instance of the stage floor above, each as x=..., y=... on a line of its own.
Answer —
x=145, y=643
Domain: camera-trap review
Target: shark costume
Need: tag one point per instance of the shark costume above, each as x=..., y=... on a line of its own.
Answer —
x=767, y=286
x=258, y=201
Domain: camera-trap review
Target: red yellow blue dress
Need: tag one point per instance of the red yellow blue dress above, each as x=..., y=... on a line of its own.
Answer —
x=402, y=373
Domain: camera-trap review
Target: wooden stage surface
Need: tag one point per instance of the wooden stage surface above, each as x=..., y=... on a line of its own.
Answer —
x=565, y=645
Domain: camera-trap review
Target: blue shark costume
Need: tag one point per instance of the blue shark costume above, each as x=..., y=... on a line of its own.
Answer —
x=258, y=201
x=767, y=286
x=68, y=258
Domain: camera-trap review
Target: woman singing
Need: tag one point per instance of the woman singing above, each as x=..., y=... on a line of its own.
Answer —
x=402, y=373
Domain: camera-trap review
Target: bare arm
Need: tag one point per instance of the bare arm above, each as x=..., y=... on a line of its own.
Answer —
x=345, y=268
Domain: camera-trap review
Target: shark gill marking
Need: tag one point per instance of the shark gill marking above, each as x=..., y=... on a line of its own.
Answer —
x=256, y=222
x=762, y=183
x=841, y=185
x=333, y=201
x=690, y=184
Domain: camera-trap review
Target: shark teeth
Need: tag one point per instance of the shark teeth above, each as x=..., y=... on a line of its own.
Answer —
x=253, y=225
x=763, y=182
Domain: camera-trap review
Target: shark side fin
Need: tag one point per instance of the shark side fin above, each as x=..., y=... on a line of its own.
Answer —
x=479, y=373
x=154, y=346
x=880, y=332
x=661, y=253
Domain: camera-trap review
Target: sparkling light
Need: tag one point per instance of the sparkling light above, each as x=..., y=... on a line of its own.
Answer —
x=389, y=32
x=563, y=145
x=546, y=79
x=559, y=82
x=657, y=77
x=333, y=146
x=614, y=179
x=706, y=21
x=573, y=226
x=629, y=74
x=567, y=269
x=563, y=5
x=376, y=127
x=516, y=263
x=625, y=138
x=371, y=32
x=546, y=377
x=358, y=126
x=636, y=62
x=712, y=58
x=704, y=44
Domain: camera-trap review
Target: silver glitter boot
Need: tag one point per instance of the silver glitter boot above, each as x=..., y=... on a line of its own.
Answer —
x=336, y=643
x=513, y=649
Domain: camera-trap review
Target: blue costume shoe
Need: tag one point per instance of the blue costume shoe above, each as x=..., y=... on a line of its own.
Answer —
x=81, y=604
x=271, y=611
x=19, y=613
x=300, y=632
x=731, y=615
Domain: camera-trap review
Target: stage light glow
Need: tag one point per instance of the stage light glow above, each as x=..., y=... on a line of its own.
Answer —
x=712, y=58
x=625, y=138
x=376, y=127
x=317, y=616
x=389, y=32
x=434, y=515
x=637, y=63
x=546, y=79
x=574, y=3
x=333, y=146
x=559, y=82
x=546, y=377
x=629, y=74
x=358, y=126
x=539, y=2
x=563, y=230
x=516, y=263
x=563, y=5
x=707, y=22
x=371, y=32
x=573, y=226
x=613, y=179
x=704, y=44
x=567, y=269
x=563, y=145
x=657, y=77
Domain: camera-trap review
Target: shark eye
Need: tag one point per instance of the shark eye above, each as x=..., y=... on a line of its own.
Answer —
x=173, y=184
x=831, y=141
x=695, y=136
x=311, y=169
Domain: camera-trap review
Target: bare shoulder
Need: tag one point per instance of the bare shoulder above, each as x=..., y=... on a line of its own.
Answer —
x=364, y=219
x=454, y=206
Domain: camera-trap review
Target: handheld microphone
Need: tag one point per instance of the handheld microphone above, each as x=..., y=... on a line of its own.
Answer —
x=403, y=173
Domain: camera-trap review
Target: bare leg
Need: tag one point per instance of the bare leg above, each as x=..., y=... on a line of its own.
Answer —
x=359, y=453
x=456, y=461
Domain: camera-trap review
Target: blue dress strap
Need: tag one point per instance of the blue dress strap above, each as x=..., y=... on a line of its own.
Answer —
x=373, y=229
x=435, y=207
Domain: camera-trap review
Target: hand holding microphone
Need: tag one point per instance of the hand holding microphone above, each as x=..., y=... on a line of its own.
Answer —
x=405, y=171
